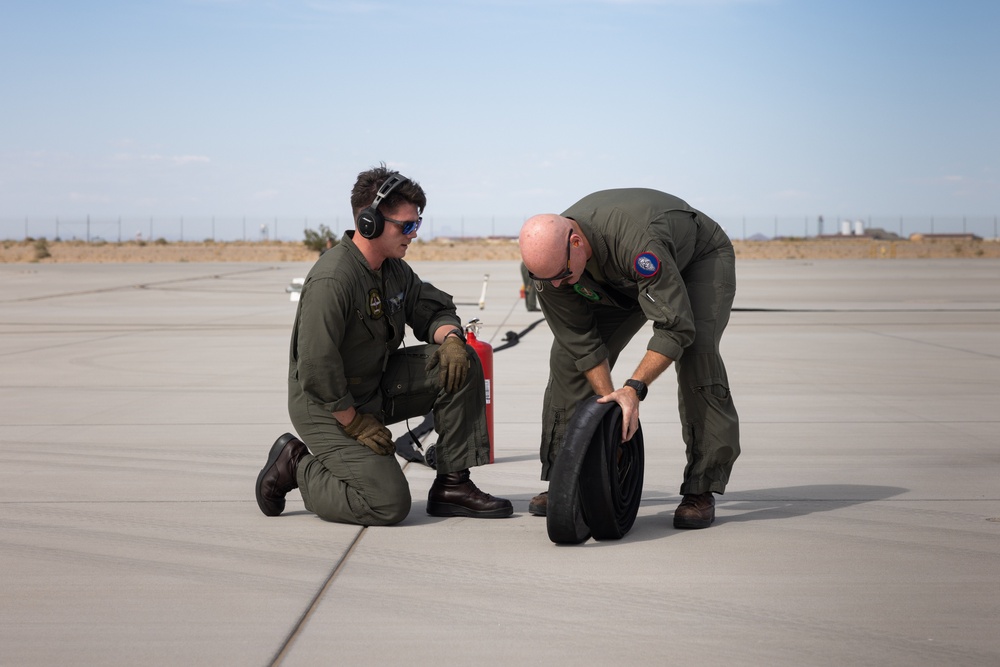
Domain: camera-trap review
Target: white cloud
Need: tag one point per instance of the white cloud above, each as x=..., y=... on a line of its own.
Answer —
x=189, y=159
x=156, y=157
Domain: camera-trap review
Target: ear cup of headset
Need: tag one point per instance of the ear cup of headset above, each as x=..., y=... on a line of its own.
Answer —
x=370, y=223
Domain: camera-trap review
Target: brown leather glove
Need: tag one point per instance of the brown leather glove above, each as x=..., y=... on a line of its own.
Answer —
x=370, y=432
x=452, y=361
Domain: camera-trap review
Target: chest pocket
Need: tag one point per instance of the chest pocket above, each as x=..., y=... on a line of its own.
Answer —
x=609, y=294
x=395, y=319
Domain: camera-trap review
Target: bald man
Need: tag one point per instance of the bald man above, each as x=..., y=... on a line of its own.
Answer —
x=610, y=263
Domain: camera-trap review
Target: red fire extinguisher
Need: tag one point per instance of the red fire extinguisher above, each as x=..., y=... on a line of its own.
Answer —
x=485, y=353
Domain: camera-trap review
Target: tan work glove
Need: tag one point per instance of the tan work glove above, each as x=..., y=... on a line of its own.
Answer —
x=370, y=432
x=452, y=361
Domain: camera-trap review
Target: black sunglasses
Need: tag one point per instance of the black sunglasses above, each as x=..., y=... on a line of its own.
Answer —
x=409, y=226
x=566, y=273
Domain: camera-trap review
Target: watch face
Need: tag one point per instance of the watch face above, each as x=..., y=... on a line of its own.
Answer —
x=640, y=388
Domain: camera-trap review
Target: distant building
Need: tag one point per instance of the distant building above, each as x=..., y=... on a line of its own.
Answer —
x=872, y=233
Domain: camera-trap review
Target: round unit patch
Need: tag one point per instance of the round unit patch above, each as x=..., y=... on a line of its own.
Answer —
x=647, y=264
x=586, y=292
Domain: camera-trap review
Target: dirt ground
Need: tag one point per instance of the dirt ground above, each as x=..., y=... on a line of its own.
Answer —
x=470, y=249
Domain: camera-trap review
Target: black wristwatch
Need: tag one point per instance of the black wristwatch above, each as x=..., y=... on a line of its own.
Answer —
x=640, y=387
x=458, y=332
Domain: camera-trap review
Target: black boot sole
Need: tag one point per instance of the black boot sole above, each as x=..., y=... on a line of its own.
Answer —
x=690, y=524
x=537, y=510
x=268, y=508
x=449, y=509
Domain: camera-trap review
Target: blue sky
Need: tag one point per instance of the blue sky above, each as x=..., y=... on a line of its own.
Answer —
x=500, y=108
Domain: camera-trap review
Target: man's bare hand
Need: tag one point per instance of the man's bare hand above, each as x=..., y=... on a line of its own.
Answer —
x=629, y=402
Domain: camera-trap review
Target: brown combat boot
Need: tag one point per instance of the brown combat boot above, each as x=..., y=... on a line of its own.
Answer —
x=277, y=477
x=454, y=494
x=539, y=505
x=697, y=510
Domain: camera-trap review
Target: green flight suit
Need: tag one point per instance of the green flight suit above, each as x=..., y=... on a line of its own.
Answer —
x=654, y=259
x=345, y=351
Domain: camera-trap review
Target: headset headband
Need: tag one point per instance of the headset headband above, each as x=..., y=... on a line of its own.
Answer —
x=390, y=184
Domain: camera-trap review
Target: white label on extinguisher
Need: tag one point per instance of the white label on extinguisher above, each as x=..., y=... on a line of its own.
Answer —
x=487, y=391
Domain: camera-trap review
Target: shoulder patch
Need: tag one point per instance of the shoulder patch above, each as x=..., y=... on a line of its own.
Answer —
x=647, y=264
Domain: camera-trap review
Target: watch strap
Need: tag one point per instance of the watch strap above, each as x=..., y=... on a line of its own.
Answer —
x=458, y=332
x=640, y=387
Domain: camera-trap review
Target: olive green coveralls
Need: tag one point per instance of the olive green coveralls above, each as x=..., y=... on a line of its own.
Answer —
x=654, y=259
x=345, y=351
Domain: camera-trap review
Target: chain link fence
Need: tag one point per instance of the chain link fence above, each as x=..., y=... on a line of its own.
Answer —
x=902, y=226
x=290, y=228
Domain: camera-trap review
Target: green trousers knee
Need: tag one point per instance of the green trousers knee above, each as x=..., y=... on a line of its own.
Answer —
x=342, y=480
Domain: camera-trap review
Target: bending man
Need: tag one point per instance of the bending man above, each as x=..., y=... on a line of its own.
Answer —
x=610, y=263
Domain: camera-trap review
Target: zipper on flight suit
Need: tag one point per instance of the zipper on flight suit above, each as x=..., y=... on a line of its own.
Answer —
x=385, y=357
x=364, y=324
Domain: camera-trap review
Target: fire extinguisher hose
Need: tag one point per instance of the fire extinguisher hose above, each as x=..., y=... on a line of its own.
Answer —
x=512, y=338
x=409, y=445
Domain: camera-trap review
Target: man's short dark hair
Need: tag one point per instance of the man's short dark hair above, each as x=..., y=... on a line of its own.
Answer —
x=368, y=183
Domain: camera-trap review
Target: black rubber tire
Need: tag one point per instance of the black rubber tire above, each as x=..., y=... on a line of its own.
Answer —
x=611, y=478
x=564, y=515
x=584, y=498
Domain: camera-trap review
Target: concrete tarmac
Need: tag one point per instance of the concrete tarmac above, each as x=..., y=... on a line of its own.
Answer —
x=861, y=525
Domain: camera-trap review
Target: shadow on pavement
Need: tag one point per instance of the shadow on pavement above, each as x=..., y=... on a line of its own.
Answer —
x=792, y=501
x=759, y=505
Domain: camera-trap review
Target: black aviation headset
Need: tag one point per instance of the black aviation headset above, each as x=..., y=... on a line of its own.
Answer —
x=371, y=222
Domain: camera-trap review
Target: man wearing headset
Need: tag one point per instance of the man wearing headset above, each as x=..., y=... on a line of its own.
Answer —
x=348, y=376
x=612, y=262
